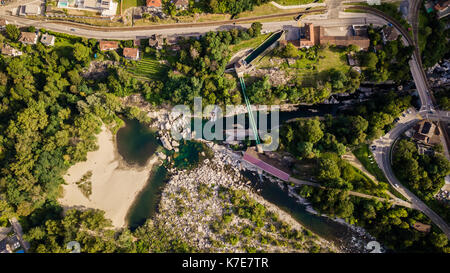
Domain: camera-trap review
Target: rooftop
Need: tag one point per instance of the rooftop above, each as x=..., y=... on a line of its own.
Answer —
x=47, y=39
x=108, y=45
x=180, y=3
x=28, y=37
x=266, y=164
x=154, y=3
x=132, y=53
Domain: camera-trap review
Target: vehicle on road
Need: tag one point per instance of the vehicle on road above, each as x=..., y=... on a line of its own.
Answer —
x=72, y=29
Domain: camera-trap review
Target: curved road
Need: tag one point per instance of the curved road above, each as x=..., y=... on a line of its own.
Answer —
x=124, y=33
x=384, y=144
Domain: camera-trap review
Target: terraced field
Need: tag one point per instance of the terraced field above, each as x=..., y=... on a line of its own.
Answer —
x=148, y=67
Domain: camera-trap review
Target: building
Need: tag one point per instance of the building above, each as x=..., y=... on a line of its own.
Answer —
x=10, y=51
x=154, y=4
x=307, y=36
x=97, y=4
x=156, y=41
x=181, y=4
x=29, y=10
x=311, y=36
x=131, y=53
x=442, y=9
x=48, y=40
x=426, y=132
x=108, y=45
x=266, y=164
x=359, y=38
x=373, y=2
x=9, y=244
x=3, y=24
x=28, y=38
x=442, y=5
x=388, y=33
x=106, y=8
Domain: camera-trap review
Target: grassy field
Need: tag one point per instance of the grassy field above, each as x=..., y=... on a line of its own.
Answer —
x=252, y=43
x=295, y=2
x=309, y=71
x=131, y=3
x=148, y=67
x=366, y=158
x=265, y=9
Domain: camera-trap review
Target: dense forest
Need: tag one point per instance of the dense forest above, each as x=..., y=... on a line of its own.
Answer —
x=433, y=38
x=386, y=61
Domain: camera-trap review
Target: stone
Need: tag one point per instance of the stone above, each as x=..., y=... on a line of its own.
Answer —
x=166, y=143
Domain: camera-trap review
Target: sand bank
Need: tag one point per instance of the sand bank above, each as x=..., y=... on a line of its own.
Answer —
x=115, y=185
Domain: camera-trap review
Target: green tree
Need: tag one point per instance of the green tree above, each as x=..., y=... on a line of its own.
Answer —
x=13, y=32
x=80, y=52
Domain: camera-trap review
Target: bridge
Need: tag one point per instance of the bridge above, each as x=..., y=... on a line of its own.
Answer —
x=245, y=63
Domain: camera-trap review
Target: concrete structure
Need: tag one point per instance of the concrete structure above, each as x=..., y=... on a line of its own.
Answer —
x=10, y=51
x=307, y=36
x=427, y=132
x=359, y=39
x=48, y=40
x=311, y=35
x=131, y=53
x=246, y=63
x=29, y=10
x=9, y=244
x=181, y=4
x=28, y=38
x=156, y=41
x=388, y=33
x=107, y=8
x=374, y=2
x=108, y=45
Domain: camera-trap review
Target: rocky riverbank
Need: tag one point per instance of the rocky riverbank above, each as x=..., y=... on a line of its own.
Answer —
x=214, y=208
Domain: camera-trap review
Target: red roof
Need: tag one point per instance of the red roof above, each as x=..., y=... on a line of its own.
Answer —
x=154, y=3
x=108, y=45
x=266, y=167
x=131, y=53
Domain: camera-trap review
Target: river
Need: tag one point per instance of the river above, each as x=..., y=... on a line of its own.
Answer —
x=137, y=143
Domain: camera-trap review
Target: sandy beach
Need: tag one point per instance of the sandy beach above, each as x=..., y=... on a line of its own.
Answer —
x=114, y=184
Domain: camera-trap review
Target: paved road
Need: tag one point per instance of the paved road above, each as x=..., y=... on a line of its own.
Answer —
x=145, y=31
x=383, y=157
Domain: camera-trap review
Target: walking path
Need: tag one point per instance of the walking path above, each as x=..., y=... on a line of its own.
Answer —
x=310, y=5
x=351, y=158
x=395, y=200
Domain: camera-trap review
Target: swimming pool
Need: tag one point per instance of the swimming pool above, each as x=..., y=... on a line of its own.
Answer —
x=62, y=4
